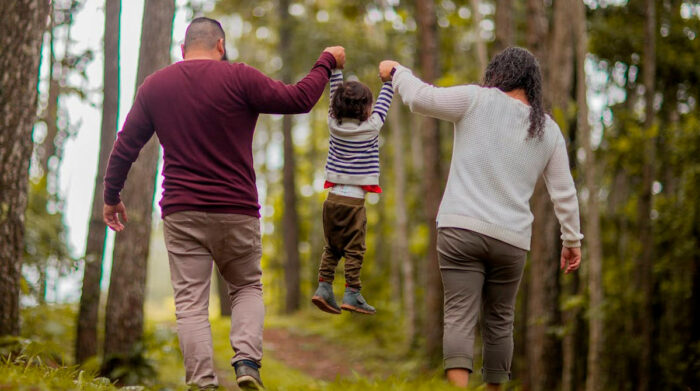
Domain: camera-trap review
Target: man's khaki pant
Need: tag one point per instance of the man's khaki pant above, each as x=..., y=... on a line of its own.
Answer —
x=193, y=239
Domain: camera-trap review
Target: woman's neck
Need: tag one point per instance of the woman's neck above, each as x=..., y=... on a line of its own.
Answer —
x=518, y=94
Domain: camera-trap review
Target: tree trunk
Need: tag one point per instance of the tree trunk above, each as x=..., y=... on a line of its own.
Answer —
x=561, y=74
x=536, y=27
x=22, y=28
x=124, y=318
x=594, y=378
x=645, y=200
x=481, y=55
x=428, y=57
x=542, y=294
x=400, y=250
x=290, y=219
x=86, y=339
x=560, y=56
x=543, y=355
x=48, y=147
x=504, y=25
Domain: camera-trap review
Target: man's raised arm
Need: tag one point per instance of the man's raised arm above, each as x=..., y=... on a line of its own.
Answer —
x=266, y=95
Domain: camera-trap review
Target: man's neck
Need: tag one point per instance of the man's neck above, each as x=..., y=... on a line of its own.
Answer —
x=202, y=55
x=519, y=94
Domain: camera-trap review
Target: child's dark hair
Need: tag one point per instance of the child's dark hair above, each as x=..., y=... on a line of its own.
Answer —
x=352, y=99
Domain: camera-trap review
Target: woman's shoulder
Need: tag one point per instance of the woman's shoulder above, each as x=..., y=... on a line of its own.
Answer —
x=552, y=133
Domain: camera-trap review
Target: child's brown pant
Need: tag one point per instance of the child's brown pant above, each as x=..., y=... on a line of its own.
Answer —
x=344, y=228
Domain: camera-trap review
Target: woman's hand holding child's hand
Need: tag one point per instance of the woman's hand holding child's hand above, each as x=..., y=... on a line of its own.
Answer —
x=339, y=53
x=385, y=68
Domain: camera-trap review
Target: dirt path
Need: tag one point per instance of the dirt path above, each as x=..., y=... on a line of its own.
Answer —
x=310, y=354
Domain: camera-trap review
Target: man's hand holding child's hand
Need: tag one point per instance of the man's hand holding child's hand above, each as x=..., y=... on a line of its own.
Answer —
x=339, y=53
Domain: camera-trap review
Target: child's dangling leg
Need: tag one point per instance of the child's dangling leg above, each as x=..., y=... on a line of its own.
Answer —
x=324, y=298
x=354, y=252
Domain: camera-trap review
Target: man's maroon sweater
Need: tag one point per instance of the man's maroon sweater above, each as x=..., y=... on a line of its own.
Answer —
x=204, y=113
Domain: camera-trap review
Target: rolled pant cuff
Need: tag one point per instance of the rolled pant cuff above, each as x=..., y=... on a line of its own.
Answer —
x=461, y=362
x=495, y=376
x=326, y=279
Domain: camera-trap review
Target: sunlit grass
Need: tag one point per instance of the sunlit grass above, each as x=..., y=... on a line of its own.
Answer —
x=389, y=364
x=33, y=375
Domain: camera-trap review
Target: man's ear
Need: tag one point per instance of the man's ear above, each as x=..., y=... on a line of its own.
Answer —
x=182, y=49
x=220, y=47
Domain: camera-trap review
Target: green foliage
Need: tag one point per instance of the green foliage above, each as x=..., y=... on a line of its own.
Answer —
x=130, y=369
x=617, y=34
x=46, y=245
x=35, y=376
x=50, y=330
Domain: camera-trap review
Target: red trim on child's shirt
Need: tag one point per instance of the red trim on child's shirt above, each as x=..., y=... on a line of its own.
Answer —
x=367, y=188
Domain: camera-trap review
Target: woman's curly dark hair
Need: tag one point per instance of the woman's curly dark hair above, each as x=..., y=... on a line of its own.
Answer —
x=515, y=68
x=352, y=99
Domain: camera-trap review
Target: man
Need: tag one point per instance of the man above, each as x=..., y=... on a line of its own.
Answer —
x=204, y=111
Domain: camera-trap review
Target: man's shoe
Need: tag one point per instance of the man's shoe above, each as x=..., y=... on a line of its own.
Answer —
x=324, y=298
x=353, y=301
x=247, y=377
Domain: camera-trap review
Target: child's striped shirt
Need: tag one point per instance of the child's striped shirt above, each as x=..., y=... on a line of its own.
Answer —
x=353, y=153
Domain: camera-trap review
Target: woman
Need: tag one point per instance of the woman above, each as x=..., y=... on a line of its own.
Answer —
x=503, y=143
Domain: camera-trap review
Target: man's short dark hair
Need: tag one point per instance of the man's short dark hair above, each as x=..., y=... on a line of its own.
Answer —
x=203, y=33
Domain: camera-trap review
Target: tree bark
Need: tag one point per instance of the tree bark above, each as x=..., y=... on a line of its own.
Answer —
x=400, y=250
x=48, y=147
x=560, y=76
x=124, y=318
x=645, y=200
x=428, y=57
x=86, y=340
x=543, y=287
x=594, y=378
x=560, y=56
x=22, y=28
x=290, y=219
x=536, y=27
x=504, y=25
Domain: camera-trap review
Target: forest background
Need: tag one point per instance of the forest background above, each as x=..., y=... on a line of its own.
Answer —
x=621, y=80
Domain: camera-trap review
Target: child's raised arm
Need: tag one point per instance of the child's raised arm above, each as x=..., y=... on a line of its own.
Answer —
x=381, y=106
x=336, y=80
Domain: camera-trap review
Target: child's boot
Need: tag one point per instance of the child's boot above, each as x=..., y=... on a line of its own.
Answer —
x=353, y=301
x=324, y=298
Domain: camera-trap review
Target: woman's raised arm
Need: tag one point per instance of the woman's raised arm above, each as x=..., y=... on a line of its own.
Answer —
x=446, y=103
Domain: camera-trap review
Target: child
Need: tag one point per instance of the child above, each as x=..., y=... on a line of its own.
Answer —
x=352, y=169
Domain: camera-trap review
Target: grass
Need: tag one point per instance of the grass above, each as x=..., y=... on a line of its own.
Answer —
x=34, y=376
x=377, y=342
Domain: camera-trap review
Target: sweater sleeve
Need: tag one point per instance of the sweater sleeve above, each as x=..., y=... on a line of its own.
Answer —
x=562, y=191
x=381, y=106
x=265, y=95
x=446, y=103
x=336, y=80
x=135, y=133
